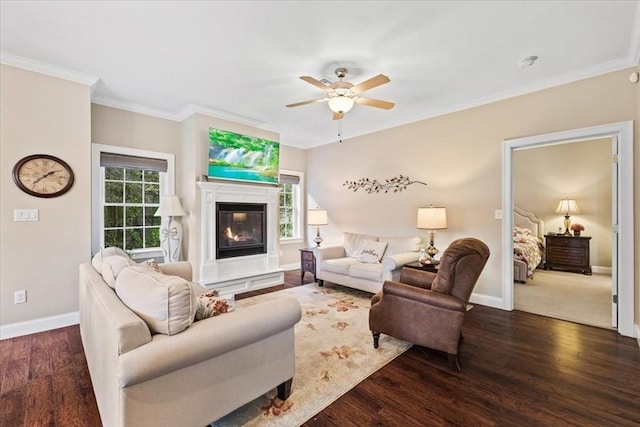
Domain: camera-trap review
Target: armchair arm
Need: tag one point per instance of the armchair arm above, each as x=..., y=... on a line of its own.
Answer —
x=424, y=296
x=182, y=269
x=419, y=278
x=328, y=252
x=208, y=339
x=391, y=262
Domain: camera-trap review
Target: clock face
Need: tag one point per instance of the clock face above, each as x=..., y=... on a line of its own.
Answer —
x=42, y=175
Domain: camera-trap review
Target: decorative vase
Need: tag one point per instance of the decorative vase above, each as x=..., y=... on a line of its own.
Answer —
x=576, y=233
x=423, y=257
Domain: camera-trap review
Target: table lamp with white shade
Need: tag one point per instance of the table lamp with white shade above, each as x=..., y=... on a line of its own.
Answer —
x=567, y=207
x=170, y=228
x=432, y=218
x=317, y=217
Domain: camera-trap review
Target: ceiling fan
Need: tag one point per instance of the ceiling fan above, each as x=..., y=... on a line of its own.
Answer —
x=341, y=95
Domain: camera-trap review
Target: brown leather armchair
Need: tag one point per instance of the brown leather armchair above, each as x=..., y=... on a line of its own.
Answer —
x=427, y=308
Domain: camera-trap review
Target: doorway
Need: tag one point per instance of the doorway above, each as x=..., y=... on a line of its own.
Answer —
x=542, y=177
x=622, y=211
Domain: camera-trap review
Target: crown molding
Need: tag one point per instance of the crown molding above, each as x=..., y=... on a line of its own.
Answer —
x=48, y=69
x=582, y=74
x=134, y=108
x=192, y=109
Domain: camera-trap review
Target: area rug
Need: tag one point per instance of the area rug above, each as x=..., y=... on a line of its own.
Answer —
x=334, y=352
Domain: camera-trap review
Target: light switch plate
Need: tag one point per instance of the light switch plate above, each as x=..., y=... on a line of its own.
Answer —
x=497, y=214
x=25, y=214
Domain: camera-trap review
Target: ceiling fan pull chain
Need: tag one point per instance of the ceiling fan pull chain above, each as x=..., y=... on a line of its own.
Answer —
x=340, y=131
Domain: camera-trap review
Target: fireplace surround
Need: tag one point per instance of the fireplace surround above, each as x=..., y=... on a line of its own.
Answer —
x=239, y=237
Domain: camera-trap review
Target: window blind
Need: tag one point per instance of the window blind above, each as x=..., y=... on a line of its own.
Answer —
x=289, y=179
x=114, y=160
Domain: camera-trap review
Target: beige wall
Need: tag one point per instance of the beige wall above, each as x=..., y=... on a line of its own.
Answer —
x=459, y=156
x=581, y=171
x=43, y=115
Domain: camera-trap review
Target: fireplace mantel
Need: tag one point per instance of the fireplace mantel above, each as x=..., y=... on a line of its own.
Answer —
x=243, y=273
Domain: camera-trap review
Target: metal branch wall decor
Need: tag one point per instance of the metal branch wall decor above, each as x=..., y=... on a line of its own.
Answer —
x=395, y=184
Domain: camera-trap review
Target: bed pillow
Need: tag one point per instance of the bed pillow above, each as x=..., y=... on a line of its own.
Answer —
x=166, y=303
x=372, y=252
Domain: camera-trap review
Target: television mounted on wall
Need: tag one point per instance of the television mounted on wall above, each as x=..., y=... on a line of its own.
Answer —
x=237, y=157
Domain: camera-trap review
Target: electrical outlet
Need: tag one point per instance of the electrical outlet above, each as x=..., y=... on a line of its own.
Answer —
x=20, y=297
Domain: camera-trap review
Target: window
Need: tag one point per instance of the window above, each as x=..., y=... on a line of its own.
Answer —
x=126, y=194
x=290, y=205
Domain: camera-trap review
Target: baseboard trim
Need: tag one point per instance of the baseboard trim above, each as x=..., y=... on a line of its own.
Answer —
x=488, y=300
x=638, y=335
x=289, y=267
x=43, y=324
x=601, y=270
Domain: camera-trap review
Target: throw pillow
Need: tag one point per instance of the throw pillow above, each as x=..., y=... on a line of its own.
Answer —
x=211, y=304
x=353, y=243
x=152, y=264
x=166, y=303
x=96, y=261
x=372, y=252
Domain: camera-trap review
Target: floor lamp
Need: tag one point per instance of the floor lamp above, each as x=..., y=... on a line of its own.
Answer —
x=170, y=228
x=432, y=219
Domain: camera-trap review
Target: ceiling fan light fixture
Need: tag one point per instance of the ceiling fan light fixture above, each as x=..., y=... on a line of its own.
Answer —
x=341, y=103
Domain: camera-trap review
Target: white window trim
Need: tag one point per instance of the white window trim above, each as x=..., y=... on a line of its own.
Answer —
x=167, y=184
x=299, y=217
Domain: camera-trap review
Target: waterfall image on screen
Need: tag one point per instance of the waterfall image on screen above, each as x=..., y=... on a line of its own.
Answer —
x=242, y=158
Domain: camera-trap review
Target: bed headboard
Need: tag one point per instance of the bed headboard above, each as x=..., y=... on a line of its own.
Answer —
x=528, y=220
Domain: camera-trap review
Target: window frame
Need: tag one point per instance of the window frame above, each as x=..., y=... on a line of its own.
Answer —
x=167, y=186
x=298, y=210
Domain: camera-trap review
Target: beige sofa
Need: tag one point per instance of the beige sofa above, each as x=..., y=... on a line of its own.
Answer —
x=191, y=377
x=364, y=261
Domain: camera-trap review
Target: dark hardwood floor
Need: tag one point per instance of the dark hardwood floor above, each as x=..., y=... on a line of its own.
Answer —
x=518, y=369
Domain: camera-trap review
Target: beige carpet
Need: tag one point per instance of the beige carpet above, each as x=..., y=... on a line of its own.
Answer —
x=567, y=296
x=334, y=352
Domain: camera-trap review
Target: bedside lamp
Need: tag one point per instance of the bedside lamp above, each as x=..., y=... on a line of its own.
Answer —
x=432, y=219
x=317, y=217
x=567, y=207
x=170, y=229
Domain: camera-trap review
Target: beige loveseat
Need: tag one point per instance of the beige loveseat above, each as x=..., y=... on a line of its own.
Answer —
x=188, y=377
x=364, y=262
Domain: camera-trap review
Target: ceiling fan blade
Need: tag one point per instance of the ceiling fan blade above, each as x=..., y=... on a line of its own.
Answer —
x=316, y=83
x=312, y=101
x=374, y=103
x=378, y=80
x=338, y=116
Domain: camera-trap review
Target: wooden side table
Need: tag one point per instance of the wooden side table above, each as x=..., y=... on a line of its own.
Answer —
x=424, y=267
x=307, y=263
x=567, y=253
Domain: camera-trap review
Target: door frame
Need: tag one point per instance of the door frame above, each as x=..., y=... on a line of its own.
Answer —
x=624, y=262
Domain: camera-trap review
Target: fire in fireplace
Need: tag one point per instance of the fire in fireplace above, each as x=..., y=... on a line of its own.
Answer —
x=241, y=229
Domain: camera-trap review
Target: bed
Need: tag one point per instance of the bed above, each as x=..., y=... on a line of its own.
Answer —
x=528, y=247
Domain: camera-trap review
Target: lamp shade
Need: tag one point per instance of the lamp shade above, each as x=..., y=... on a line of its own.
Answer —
x=317, y=217
x=170, y=206
x=340, y=104
x=567, y=207
x=432, y=218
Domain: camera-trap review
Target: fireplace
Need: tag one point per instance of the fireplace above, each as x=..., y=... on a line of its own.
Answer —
x=241, y=229
x=239, y=237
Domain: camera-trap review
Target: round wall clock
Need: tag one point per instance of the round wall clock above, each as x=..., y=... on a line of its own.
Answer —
x=42, y=175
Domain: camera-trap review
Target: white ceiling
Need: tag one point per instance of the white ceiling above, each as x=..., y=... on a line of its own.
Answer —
x=241, y=60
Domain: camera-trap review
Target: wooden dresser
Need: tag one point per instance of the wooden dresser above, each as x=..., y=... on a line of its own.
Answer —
x=567, y=253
